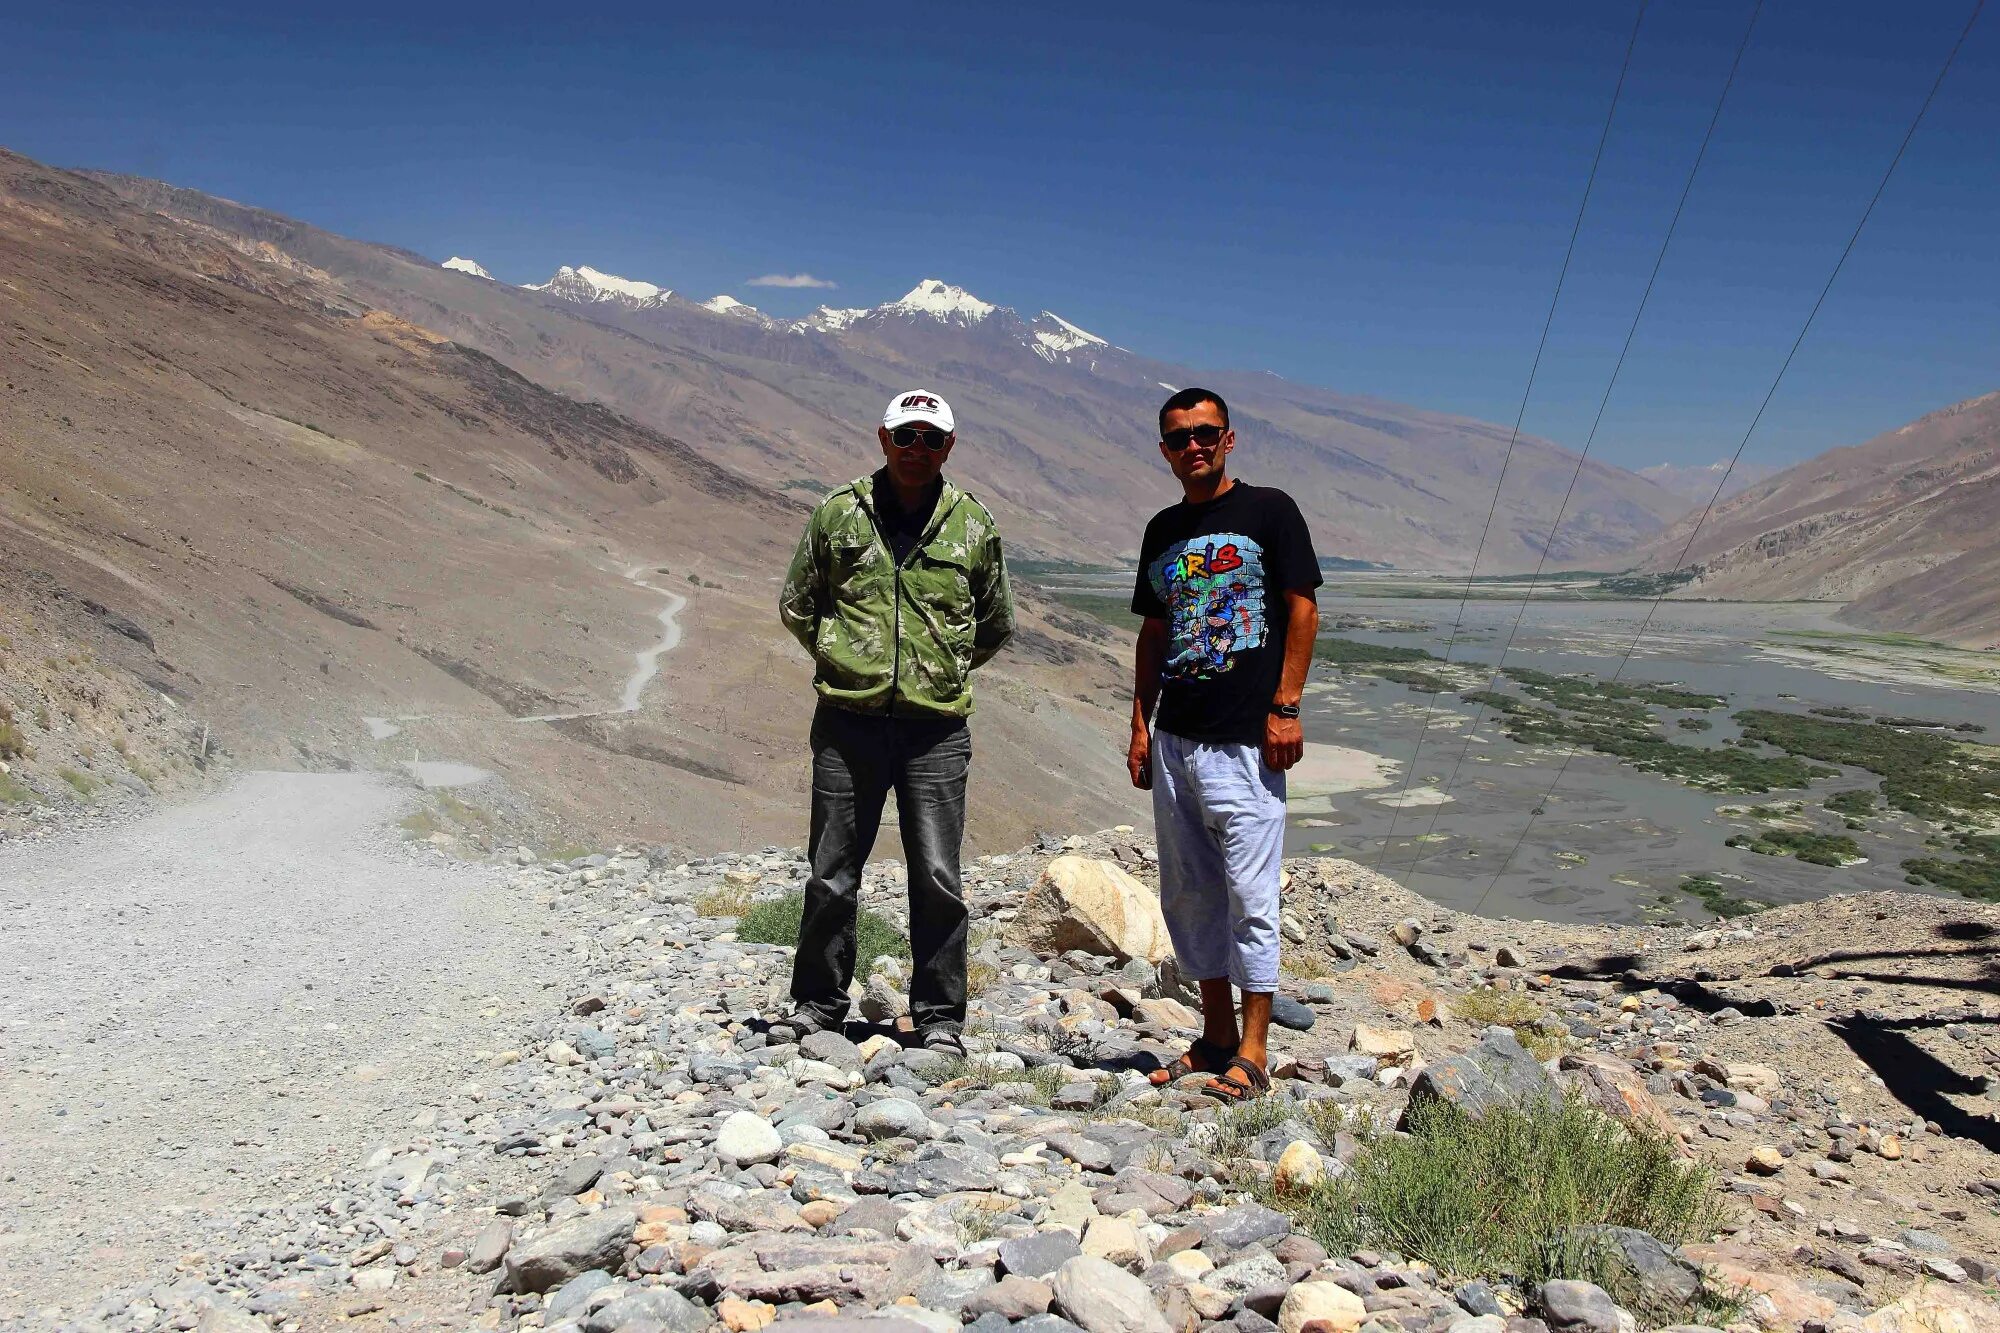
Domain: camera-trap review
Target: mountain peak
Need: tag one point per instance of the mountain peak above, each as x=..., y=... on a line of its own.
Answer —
x=941, y=300
x=1059, y=335
x=586, y=284
x=459, y=265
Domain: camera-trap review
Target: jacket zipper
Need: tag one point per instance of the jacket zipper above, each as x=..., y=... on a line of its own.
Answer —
x=896, y=568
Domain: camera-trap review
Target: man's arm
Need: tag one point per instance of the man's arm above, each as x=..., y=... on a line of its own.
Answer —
x=993, y=605
x=1284, y=738
x=1149, y=662
x=803, y=601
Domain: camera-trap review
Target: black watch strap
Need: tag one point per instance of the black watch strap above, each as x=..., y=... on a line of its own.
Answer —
x=1285, y=710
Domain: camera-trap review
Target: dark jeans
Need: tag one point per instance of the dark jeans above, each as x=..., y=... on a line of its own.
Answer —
x=857, y=759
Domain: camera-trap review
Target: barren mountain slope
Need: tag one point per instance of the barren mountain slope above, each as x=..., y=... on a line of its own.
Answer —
x=1057, y=425
x=1901, y=527
x=318, y=512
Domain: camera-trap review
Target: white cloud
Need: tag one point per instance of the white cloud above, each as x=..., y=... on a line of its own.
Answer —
x=788, y=280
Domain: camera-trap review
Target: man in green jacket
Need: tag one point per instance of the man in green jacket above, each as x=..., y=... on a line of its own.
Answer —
x=898, y=591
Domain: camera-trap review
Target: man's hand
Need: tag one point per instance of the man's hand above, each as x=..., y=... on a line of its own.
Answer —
x=1284, y=741
x=1139, y=760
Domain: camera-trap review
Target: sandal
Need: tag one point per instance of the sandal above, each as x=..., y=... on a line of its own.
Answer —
x=1213, y=1057
x=794, y=1028
x=1225, y=1089
x=944, y=1040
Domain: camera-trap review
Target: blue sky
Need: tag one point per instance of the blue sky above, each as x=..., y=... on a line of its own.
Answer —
x=1370, y=197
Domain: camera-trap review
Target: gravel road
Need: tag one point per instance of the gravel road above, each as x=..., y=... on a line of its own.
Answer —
x=219, y=1004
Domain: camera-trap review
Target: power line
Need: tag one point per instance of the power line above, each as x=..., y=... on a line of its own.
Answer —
x=1541, y=345
x=1874, y=199
x=1673, y=224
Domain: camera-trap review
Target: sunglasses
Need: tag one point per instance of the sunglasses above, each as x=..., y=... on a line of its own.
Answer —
x=909, y=437
x=1205, y=436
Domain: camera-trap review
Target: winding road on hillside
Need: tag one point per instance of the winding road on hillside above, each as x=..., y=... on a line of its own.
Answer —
x=223, y=1001
x=647, y=659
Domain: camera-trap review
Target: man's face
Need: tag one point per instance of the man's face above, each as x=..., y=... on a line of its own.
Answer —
x=1197, y=462
x=918, y=465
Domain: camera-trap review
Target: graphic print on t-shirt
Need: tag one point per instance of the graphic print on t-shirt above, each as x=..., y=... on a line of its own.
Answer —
x=1213, y=589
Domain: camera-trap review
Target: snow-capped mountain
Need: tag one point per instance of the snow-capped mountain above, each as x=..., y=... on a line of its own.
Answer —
x=460, y=265
x=729, y=305
x=588, y=286
x=932, y=302
x=941, y=300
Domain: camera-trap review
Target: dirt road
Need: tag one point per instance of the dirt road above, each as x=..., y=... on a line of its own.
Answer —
x=213, y=1006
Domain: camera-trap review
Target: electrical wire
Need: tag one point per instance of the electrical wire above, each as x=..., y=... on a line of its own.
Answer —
x=1541, y=346
x=1776, y=380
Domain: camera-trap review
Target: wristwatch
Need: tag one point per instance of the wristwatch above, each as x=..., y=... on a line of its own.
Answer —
x=1285, y=710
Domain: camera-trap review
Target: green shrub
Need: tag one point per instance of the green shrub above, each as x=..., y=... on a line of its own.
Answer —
x=724, y=900
x=1820, y=849
x=82, y=783
x=777, y=922
x=12, y=746
x=14, y=793
x=1504, y=1196
x=1355, y=652
x=1718, y=899
x=1543, y=1036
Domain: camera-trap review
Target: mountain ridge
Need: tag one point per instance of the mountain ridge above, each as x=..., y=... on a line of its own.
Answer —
x=1056, y=429
x=1904, y=528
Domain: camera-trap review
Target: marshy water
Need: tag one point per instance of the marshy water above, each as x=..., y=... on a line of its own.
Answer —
x=1612, y=843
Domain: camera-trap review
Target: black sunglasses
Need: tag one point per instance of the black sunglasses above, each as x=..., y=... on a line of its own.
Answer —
x=1206, y=436
x=909, y=437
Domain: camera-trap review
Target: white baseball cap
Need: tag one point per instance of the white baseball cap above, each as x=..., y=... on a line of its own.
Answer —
x=919, y=405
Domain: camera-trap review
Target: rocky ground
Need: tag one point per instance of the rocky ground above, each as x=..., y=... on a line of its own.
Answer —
x=643, y=1158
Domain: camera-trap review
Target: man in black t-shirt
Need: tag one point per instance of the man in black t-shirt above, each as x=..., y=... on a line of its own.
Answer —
x=1225, y=585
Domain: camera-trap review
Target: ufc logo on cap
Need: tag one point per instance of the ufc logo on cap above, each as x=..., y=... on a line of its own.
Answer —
x=918, y=400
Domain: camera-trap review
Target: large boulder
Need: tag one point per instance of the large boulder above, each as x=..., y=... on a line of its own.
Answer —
x=1321, y=1307
x=1646, y=1271
x=1094, y=906
x=1615, y=1088
x=1496, y=1072
x=560, y=1253
x=1100, y=1297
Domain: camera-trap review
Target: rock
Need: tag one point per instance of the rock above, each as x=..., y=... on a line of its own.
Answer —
x=1289, y=1013
x=1659, y=1275
x=1390, y=1046
x=571, y=1298
x=1581, y=1307
x=832, y=1048
x=1012, y=1298
x=1765, y=1161
x=1245, y=1224
x=596, y=1240
x=1320, y=1307
x=1498, y=1071
x=490, y=1246
x=646, y=1310
x=1407, y=931
x=1092, y=906
x=1260, y=1269
x=1299, y=1168
x=746, y=1140
x=1116, y=1240
x=1100, y=1297
x=1038, y=1255
x=1615, y=1088
x=892, y=1117
x=740, y=1316
x=221, y=1319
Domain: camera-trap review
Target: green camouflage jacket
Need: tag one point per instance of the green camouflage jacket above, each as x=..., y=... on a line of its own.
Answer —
x=898, y=639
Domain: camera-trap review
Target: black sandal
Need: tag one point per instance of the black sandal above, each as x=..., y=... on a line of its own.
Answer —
x=1225, y=1089
x=794, y=1028
x=944, y=1040
x=1213, y=1055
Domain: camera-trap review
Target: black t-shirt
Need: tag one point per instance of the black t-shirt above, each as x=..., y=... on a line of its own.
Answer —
x=1217, y=573
x=903, y=527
